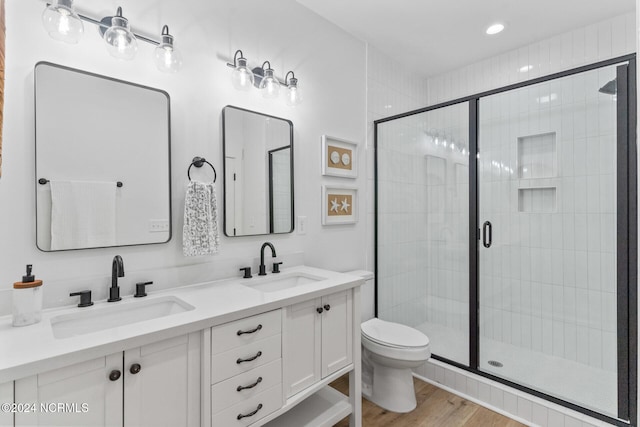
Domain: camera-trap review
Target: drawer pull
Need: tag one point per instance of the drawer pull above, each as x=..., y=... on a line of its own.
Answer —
x=251, y=359
x=250, y=414
x=246, y=387
x=251, y=331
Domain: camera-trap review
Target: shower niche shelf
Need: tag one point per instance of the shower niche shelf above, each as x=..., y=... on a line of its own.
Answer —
x=537, y=156
x=537, y=173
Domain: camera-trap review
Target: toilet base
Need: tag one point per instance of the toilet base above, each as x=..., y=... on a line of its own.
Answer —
x=393, y=389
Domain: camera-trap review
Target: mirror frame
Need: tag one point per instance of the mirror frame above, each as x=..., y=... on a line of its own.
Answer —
x=224, y=171
x=35, y=159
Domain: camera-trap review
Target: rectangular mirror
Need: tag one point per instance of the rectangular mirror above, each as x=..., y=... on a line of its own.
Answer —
x=258, y=173
x=102, y=161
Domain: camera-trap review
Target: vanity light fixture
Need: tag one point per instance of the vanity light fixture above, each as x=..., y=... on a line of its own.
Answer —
x=264, y=79
x=121, y=42
x=167, y=58
x=269, y=85
x=293, y=97
x=63, y=23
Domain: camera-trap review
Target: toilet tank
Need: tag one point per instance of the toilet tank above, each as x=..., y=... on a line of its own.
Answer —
x=367, y=294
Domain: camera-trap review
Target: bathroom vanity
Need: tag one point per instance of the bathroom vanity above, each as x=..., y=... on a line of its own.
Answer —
x=234, y=352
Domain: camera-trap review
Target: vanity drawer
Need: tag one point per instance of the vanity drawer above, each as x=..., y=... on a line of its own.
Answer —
x=226, y=393
x=225, y=365
x=245, y=331
x=270, y=401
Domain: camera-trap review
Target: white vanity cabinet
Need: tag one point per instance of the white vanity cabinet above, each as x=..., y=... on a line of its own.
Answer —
x=154, y=385
x=6, y=396
x=317, y=340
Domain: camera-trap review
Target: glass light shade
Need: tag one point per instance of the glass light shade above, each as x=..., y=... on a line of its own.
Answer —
x=166, y=57
x=62, y=22
x=241, y=76
x=121, y=43
x=292, y=94
x=269, y=86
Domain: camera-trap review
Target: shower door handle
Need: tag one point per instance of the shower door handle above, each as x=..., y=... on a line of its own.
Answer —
x=486, y=234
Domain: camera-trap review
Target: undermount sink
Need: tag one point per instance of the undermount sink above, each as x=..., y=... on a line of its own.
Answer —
x=114, y=315
x=282, y=282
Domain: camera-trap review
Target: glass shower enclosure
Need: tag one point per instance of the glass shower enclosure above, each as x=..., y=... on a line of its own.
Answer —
x=506, y=232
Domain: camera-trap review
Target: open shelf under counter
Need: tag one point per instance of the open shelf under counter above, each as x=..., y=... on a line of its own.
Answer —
x=324, y=408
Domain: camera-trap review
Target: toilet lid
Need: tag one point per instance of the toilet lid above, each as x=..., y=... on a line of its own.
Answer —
x=393, y=334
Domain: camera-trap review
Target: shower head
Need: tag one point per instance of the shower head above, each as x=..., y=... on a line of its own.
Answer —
x=610, y=88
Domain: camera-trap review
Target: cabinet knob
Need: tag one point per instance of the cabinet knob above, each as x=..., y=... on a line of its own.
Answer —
x=114, y=375
x=320, y=310
x=135, y=368
x=327, y=307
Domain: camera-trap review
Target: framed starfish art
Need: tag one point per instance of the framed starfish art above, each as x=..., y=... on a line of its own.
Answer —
x=339, y=205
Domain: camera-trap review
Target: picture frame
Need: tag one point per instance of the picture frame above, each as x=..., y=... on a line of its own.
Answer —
x=339, y=157
x=339, y=205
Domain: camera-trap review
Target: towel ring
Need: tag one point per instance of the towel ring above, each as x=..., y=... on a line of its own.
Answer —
x=198, y=162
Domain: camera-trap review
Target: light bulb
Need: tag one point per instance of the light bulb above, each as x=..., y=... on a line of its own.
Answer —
x=269, y=86
x=242, y=76
x=166, y=57
x=121, y=43
x=293, y=96
x=62, y=22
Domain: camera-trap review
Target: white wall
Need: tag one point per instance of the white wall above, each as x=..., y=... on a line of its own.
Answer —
x=331, y=71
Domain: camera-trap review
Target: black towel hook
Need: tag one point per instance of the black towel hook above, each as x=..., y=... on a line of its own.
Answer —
x=198, y=162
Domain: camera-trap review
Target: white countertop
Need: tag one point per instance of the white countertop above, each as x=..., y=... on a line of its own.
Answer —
x=28, y=350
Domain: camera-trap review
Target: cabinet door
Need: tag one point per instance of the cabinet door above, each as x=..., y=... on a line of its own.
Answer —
x=6, y=396
x=301, y=346
x=77, y=395
x=162, y=383
x=337, y=332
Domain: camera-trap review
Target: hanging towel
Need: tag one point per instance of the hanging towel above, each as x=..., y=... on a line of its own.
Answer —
x=83, y=214
x=200, y=232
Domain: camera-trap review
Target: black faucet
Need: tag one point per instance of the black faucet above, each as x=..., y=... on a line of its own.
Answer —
x=263, y=269
x=117, y=270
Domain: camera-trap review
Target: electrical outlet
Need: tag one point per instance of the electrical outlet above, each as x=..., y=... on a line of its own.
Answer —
x=158, y=225
x=302, y=225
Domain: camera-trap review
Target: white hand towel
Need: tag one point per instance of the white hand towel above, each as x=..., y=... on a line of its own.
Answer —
x=200, y=232
x=83, y=214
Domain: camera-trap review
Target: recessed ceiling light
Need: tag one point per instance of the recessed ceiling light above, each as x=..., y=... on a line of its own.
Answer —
x=495, y=29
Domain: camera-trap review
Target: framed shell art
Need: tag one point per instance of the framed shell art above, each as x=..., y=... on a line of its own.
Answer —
x=339, y=157
x=339, y=205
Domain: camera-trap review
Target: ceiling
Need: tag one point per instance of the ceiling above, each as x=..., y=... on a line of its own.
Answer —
x=434, y=36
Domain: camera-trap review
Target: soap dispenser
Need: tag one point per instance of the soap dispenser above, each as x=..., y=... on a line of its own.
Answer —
x=27, y=300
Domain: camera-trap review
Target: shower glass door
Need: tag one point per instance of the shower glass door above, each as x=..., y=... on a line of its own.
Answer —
x=423, y=227
x=547, y=249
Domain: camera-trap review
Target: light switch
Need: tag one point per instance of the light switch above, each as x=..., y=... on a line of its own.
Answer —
x=302, y=225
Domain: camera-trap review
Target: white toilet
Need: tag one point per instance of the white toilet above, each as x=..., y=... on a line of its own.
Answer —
x=389, y=352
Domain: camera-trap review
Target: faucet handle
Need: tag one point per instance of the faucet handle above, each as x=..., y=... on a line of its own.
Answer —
x=141, y=290
x=85, y=298
x=247, y=272
x=276, y=267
